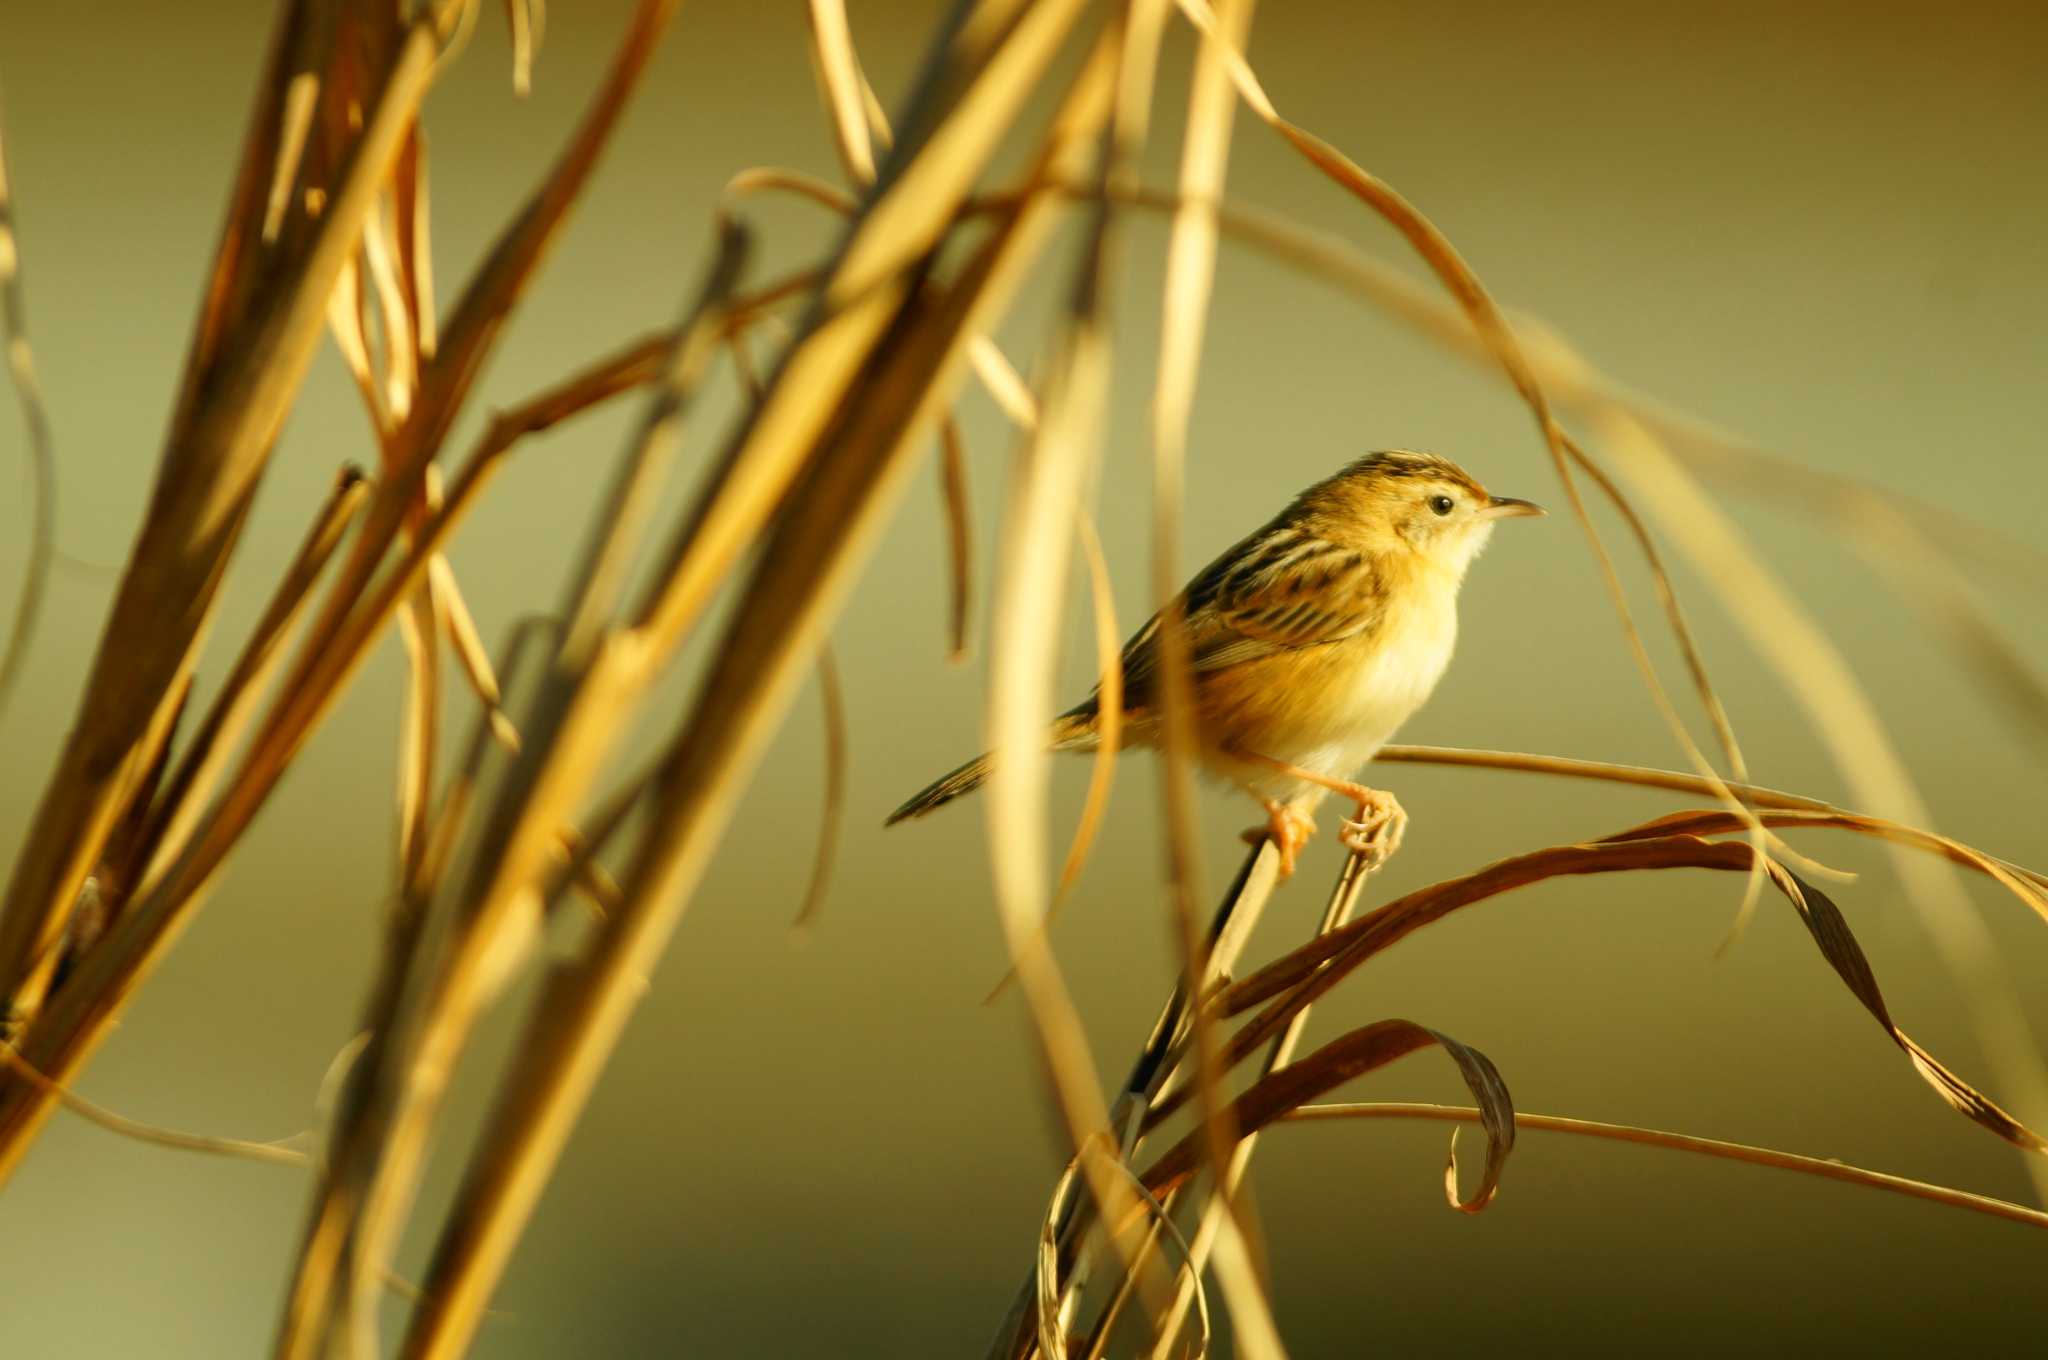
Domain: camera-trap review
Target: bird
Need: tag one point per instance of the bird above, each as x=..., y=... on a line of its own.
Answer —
x=1310, y=642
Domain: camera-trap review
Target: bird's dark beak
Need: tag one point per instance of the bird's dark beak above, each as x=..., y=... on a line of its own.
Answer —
x=1508, y=507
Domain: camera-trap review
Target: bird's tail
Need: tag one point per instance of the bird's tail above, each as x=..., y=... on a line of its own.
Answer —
x=944, y=789
x=1074, y=731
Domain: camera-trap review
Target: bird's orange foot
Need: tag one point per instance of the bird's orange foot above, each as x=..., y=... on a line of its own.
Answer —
x=1375, y=834
x=1287, y=828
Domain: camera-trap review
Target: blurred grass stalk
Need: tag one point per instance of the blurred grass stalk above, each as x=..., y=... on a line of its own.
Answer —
x=329, y=220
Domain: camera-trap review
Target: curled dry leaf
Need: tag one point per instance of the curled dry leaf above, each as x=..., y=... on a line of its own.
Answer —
x=1052, y=1293
x=1341, y=1060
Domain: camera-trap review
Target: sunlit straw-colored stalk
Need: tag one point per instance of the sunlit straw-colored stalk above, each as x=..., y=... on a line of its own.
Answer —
x=1825, y=1167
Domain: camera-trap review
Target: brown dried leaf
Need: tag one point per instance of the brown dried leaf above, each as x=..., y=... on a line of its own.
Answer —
x=1302, y=976
x=1344, y=1059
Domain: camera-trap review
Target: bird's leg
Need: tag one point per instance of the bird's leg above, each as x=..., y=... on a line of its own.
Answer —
x=1375, y=833
x=1287, y=827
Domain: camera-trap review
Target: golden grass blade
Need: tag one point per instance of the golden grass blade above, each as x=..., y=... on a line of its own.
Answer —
x=833, y=821
x=833, y=704
x=415, y=253
x=112, y=880
x=1109, y=672
x=346, y=323
x=1190, y=273
x=216, y=451
x=840, y=82
x=774, y=179
x=1109, y=732
x=184, y=797
x=469, y=647
x=521, y=21
x=300, y=98
x=959, y=534
x=1044, y=504
x=282, y=114
x=279, y=1152
x=1190, y=270
x=452, y=814
x=999, y=377
x=42, y=452
x=419, y=627
x=1826, y=1168
x=1252, y=1324
x=1345, y=1059
x=401, y=366
x=829, y=521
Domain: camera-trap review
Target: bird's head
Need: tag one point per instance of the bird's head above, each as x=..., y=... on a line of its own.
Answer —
x=1424, y=504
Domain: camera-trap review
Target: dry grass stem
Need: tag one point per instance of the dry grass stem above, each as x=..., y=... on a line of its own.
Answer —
x=848, y=370
x=252, y=360
x=959, y=535
x=831, y=516
x=42, y=451
x=1826, y=1168
x=280, y=1152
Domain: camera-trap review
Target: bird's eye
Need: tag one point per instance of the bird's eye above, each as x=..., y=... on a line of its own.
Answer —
x=1443, y=505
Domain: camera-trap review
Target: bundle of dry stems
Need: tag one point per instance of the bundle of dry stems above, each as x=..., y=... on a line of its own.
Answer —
x=328, y=228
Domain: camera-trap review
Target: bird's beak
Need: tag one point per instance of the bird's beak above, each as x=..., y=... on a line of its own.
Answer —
x=1508, y=507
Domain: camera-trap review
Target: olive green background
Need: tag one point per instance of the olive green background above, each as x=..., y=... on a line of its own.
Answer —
x=1816, y=224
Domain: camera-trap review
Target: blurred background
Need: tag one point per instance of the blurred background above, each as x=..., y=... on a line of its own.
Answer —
x=1818, y=225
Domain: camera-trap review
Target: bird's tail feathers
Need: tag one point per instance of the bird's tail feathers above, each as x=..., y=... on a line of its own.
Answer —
x=1070, y=732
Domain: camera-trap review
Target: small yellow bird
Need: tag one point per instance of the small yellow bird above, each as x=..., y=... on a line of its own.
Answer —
x=1311, y=641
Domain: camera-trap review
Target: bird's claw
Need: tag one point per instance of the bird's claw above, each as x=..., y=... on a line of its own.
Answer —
x=1287, y=829
x=1375, y=834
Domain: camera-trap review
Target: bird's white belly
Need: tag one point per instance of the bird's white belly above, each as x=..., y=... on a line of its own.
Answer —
x=1388, y=683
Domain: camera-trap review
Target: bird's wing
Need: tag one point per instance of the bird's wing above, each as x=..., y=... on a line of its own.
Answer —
x=1280, y=590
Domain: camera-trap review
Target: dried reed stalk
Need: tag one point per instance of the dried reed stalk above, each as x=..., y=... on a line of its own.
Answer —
x=254, y=345
x=42, y=454
x=329, y=220
x=361, y=600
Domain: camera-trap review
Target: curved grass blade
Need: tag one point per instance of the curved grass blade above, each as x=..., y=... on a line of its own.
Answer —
x=833, y=819
x=1827, y=1168
x=1345, y=1059
x=42, y=452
